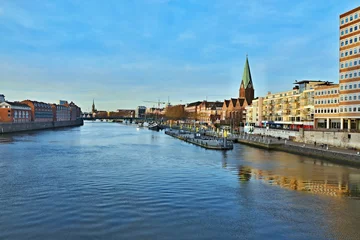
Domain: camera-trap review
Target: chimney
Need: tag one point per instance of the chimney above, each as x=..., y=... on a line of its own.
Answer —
x=2, y=98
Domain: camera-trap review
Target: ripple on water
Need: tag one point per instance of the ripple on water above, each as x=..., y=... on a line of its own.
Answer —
x=110, y=181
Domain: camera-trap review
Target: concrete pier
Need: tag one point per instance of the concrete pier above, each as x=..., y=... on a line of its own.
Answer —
x=202, y=141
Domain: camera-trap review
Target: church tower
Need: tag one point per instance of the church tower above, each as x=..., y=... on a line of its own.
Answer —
x=246, y=87
x=93, y=109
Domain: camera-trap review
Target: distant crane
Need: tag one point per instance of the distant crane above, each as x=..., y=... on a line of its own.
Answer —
x=158, y=102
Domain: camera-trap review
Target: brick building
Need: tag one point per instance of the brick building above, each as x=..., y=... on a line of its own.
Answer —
x=60, y=113
x=40, y=111
x=14, y=112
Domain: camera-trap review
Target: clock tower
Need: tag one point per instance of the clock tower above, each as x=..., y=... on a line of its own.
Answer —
x=246, y=87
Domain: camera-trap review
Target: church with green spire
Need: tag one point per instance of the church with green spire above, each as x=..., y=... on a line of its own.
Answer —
x=246, y=86
x=233, y=110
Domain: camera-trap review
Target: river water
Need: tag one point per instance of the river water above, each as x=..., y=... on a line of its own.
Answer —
x=113, y=181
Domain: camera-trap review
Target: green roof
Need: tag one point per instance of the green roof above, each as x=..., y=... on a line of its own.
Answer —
x=246, y=79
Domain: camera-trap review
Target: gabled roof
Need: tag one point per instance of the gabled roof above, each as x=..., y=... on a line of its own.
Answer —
x=246, y=79
x=241, y=101
x=234, y=100
x=226, y=102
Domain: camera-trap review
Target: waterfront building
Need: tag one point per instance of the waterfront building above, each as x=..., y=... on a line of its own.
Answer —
x=140, y=112
x=60, y=113
x=234, y=109
x=349, y=70
x=290, y=109
x=254, y=117
x=192, y=108
x=209, y=112
x=40, y=111
x=75, y=111
x=14, y=112
x=326, y=102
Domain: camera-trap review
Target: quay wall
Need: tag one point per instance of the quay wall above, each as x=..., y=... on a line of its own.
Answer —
x=337, y=139
x=30, y=126
x=331, y=156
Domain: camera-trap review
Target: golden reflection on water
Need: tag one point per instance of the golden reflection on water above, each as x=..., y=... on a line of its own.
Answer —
x=299, y=173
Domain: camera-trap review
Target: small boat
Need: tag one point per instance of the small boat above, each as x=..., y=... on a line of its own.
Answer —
x=154, y=127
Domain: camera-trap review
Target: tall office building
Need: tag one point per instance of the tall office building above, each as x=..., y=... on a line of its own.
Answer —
x=349, y=92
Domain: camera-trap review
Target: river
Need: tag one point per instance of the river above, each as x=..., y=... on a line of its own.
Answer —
x=113, y=181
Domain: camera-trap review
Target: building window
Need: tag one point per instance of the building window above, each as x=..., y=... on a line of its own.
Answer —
x=335, y=101
x=342, y=44
x=350, y=41
x=349, y=98
x=342, y=33
x=346, y=65
x=346, y=42
x=341, y=110
x=345, y=87
x=342, y=65
x=356, y=16
x=355, y=40
x=350, y=86
x=354, y=84
x=341, y=87
x=346, y=20
x=346, y=31
x=355, y=74
x=355, y=63
x=342, y=21
x=351, y=18
x=349, y=109
x=350, y=52
x=355, y=28
x=346, y=53
x=335, y=91
x=342, y=54
x=351, y=29
x=354, y=97
x=345, y=98
x=350, y=76
x=355, y=51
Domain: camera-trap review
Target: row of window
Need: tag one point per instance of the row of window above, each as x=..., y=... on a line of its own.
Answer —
x=350, y=74
x=42, y=105
x=349, y=41
x=326, y=101
x=349, y=97
x=21, y=114
x=327, y=110
x=325, y=92
x=349, y=19
x=350, y=86
x=350, y=109
x=350, y=63
x=349, y=30
x=349, y=52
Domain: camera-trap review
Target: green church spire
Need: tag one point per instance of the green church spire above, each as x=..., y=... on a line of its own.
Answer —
x=246, y=79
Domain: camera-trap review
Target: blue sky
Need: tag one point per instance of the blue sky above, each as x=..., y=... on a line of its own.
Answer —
x=122, y=52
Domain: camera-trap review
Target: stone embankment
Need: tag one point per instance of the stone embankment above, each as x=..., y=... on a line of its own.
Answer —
x=332, y=154
x=30, y=126
x=202, y=141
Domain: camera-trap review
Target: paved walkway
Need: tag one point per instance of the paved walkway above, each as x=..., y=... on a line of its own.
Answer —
x=312, y=146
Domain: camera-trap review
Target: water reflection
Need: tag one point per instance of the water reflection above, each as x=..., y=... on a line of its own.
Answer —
x=343, y=185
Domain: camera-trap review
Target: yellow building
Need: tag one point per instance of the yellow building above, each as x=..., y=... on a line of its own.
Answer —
x=290, y=109
x=327, y=113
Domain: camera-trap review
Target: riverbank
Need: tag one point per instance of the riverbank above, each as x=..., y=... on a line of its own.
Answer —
x=331, y=154
x=31, y=126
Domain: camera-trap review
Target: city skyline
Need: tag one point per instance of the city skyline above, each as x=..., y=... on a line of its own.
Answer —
x=186, y=50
